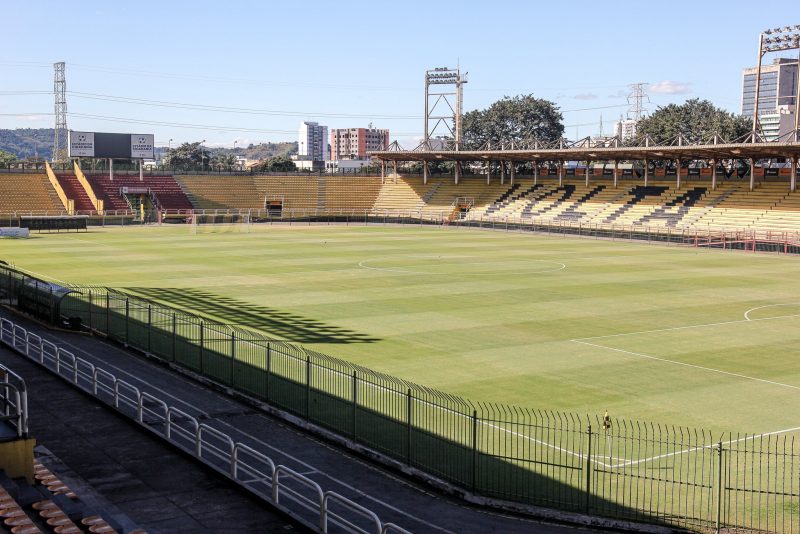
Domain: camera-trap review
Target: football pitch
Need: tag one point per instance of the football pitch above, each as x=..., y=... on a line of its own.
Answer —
x=681, y=336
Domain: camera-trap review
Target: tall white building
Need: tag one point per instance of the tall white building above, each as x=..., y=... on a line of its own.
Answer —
x=625, y=128
x=312, y=142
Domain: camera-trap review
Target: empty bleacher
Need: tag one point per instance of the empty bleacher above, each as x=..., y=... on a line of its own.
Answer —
x=221, y=192
x=169, y=194
x=357, y=193
x=405, y=195
x=660, y=204
x=295, y=192
x=471, y=190
x=28, y=192
x=74, y=191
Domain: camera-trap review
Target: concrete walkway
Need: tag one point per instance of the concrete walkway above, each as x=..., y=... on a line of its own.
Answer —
x=129, y=475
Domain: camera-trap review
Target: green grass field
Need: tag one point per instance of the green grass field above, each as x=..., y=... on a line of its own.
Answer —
x=673, y=335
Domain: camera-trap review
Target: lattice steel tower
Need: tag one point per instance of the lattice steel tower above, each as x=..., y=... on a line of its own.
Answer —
x=636, y=100
x=444, y=105
x=60, y=93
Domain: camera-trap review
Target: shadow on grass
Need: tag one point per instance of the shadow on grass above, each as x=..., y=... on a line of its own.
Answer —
x=274, y=322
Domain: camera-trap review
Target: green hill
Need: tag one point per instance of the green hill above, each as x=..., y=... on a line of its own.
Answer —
x=27, y=142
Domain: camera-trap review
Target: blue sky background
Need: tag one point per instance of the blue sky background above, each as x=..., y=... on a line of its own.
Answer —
x=346, y=64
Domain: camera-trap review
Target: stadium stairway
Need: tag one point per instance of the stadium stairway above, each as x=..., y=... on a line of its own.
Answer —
x=638, y=194
x=574, y=211
x=49, y=506
x=672, y=217
x=405, y=195
x=75, y=191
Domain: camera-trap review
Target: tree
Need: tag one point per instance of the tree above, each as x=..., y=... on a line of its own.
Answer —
x=696, y=120
x=187, y=155
x=6, y=158
x=276, y=164
x=513, y=119
x=223, y=162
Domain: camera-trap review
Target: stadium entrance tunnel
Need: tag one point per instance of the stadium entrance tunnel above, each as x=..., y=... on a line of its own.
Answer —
x=42, y=300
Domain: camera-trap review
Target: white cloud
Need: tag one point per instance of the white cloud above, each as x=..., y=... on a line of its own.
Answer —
x=619, y=94
x=585, y=96
x=669, y=87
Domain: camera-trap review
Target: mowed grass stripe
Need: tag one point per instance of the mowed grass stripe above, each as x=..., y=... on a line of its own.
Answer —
x=465, y=311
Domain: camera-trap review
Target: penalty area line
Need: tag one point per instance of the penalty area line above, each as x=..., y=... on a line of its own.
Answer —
x=684, y=364
x=701, y=447
x=687, y=327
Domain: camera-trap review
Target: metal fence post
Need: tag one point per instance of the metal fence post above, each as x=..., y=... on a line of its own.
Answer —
x=408, y=428
x=149, y=326
x=90, y=310
x=719, y=487
x=308, y=386
x=174, y=335
x=108, y=315
x=355, y=404
x=474, y=449
x=269, y=367
x=202, y=344
x=233, y=358
x=127, y=319
x=588, y=467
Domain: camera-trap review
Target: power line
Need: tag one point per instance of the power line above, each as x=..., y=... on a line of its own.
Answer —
x=227, y=109
x=194, y=126
x=248, y=81
x=21, y=93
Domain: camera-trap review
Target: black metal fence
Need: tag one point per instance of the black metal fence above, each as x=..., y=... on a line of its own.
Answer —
x=615, y=468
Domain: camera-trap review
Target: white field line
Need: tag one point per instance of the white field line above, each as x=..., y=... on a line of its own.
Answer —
x=675, y=362
x=736, y=321
x=747, y=313
x=701, y=447
x=561, y=267
x=665, y=360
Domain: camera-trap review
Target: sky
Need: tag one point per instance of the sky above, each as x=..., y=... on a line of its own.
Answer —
x=250, y=72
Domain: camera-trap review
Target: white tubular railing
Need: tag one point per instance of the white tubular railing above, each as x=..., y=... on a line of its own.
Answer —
x=329, y=496
x=211, y=446
x=14, y=396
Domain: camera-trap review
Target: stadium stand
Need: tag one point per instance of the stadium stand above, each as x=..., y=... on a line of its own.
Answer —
x=407, y=194
x=29, y=192
x=220, y=192
x=351, y=192
x=660, y=204
x=166, y=189
x=296, y=192
x=75, y=191
x=447, y=198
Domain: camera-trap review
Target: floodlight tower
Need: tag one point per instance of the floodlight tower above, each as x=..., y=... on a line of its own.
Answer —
x=778, y=40
x=60, y=130
x=443, y=106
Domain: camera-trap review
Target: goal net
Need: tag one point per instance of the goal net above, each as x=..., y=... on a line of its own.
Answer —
x=228, y=223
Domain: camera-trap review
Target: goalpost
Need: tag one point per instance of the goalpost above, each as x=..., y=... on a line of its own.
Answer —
x=220, y=223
